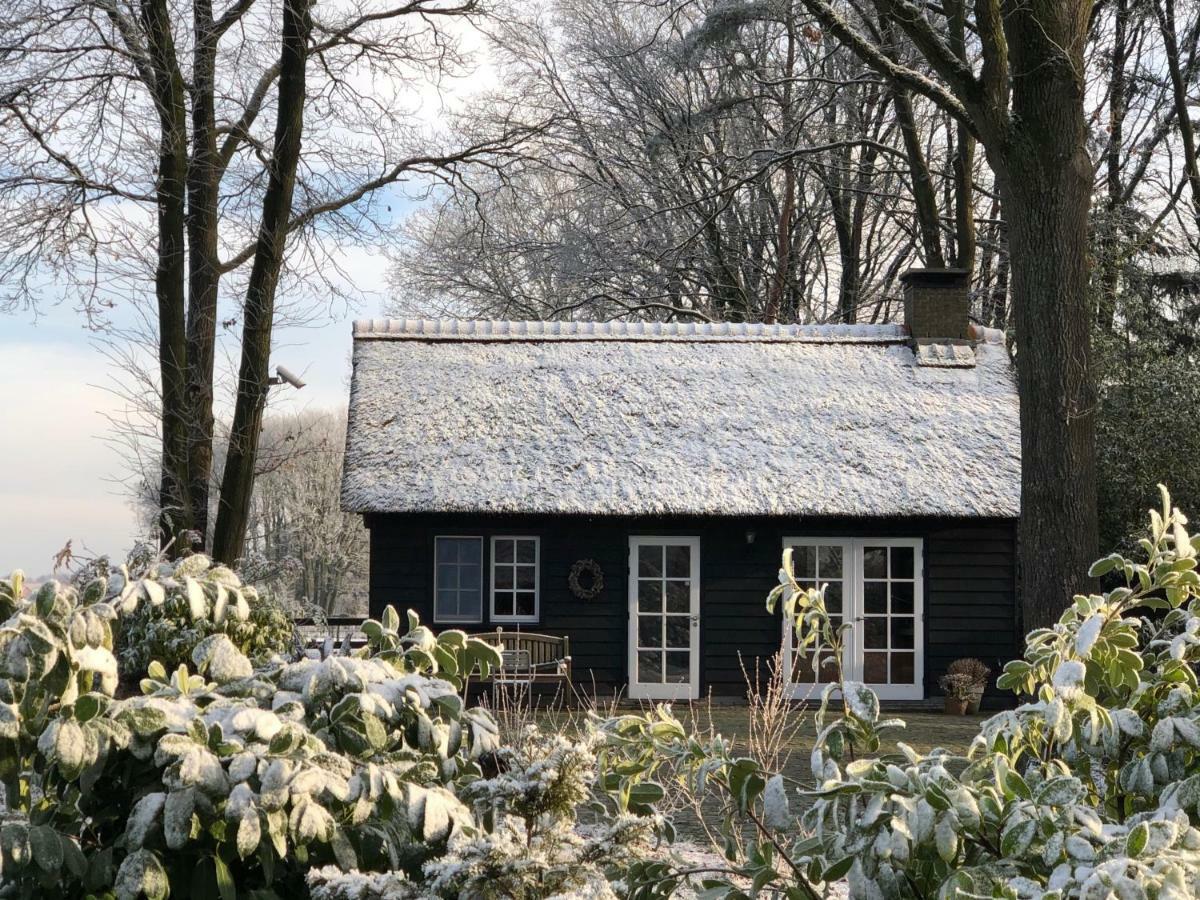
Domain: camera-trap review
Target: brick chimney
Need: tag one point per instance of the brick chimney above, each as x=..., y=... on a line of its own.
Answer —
x=937, y=304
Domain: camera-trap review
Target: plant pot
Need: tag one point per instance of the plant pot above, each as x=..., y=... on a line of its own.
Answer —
x=956, y=706
x=975, y=700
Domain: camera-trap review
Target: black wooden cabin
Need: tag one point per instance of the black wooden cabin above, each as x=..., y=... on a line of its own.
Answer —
x=678, y=461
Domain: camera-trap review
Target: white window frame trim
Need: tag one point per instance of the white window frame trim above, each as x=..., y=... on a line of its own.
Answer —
x=852, y=600
x=643, y=691
x=537, y=577
x=457, y=620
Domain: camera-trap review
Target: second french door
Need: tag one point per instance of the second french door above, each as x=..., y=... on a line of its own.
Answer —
x=664, y=618
x=876, y=585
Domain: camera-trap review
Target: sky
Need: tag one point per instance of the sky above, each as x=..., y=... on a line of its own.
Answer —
x=59, y=477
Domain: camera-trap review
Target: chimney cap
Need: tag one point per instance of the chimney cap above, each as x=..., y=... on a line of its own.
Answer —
x=935, y=276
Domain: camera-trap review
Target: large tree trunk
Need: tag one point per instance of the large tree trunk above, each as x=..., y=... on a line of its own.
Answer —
x=203, y=266
x=168, y=89
x=237, y=483
x=1044, y=176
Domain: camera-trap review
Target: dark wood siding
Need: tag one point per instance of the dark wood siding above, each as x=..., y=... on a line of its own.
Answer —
x=969, y=584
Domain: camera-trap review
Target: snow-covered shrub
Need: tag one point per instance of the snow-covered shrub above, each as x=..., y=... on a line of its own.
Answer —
x=527, y=843
x=199, y=599
x=223, y=779
x=1089, y=789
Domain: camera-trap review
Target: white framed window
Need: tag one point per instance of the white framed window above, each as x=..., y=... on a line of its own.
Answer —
x=876, y=584
x=516, y=562
x=458, y=579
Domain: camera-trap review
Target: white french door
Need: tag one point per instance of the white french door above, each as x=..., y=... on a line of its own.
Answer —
x=876, y=585
x=664, y=618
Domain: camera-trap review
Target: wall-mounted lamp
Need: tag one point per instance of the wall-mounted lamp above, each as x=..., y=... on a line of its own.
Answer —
x=750, y=535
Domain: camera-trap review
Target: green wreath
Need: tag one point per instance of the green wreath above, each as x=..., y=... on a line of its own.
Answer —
x=586, y=579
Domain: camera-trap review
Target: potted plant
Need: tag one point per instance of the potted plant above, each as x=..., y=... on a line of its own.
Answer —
x=958, y=690
x=978, y=672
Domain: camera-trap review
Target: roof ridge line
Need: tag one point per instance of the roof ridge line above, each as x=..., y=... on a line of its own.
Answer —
x=504, y=330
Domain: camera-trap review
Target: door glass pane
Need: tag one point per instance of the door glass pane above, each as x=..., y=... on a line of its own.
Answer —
x=875, y=632
x=902, y=562
x=649, y=631
x=875, y=562
x=902, y=633
x=804, y=562
x=678, y=666
x=679, y=631
x=902, y=668
x=650, y=667
x=875, y=668
x=504, y=550
x=830, y=562
x=679, y=596
x=679, y=562
x=650, y=561
x=650, y=596
x=875, y=598
x=833, y=600
x=902, y=598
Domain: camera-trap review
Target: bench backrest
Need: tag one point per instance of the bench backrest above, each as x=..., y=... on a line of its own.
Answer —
x=539, y=649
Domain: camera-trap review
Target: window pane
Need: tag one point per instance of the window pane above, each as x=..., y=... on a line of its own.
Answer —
x=447, y=577
x=902, y=598
x=902, y=562
x=470, y=551
x=875, y=668
x=679, y=562
x=469, y=577
x=504, y=550
x=679, y=596
x=649, y=631
x=804, y=562
x=527, y=551
x=504, y=603
x=525, y=577
x=447, y=550
x=504, y=578
x=875, y=632
x=902, y=633
x=678, y=631
x=875, y=562
x=830, y=559
x=875, y=598
x=650, y=667
x=650, y=561
x=650, y=596
x=470, y=604
x=447, y=604
x=526, y=603
x=678, y=664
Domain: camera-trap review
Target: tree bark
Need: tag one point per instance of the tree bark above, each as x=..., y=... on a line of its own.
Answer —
x=203, y=265
x=963, y=163
x=1045, y=180
x=170, y=196
x=237, y=483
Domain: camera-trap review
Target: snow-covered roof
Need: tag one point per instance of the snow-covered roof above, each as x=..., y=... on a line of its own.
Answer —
x=653, y=419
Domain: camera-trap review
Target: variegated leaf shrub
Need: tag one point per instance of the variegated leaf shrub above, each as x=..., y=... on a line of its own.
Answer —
x=527, y=843
x=223, y=778
x=197, y=599
x=1090, y=788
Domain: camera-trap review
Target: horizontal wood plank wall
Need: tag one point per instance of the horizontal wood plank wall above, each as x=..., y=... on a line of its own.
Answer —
x=969, y=585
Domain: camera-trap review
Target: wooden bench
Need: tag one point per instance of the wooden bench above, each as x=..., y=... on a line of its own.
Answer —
x=528, y=659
